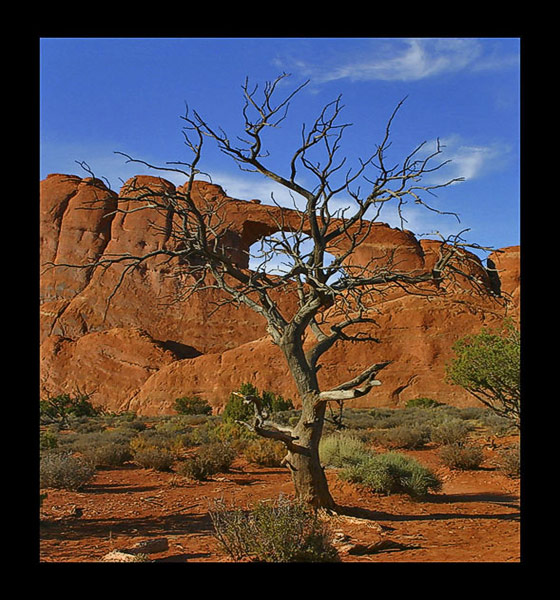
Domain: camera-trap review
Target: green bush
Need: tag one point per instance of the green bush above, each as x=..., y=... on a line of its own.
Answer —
x=133, y=425
x=341, y=449
x=60, y=408
x=488, y=366
x=461, y=456
x=61, y=470
x=393, y=473
x=279, y=532
x=192, y=405
x=380, y=414
x=115, y=419
x=276, y=403
x=48, y=440
x=237, y=409
x=422, y=403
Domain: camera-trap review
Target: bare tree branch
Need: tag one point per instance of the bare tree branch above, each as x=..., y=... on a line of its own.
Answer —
x=334, y=295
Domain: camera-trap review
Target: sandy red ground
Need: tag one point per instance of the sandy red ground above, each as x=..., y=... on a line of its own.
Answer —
x=474, y=518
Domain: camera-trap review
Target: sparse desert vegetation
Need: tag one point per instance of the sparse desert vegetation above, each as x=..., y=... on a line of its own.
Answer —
x=224, y=490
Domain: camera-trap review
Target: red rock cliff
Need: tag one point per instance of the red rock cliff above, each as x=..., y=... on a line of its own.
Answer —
x=142, y=352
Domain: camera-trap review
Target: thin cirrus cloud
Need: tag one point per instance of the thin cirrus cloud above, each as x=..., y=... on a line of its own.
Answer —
x=408, y=60
x=468, y=161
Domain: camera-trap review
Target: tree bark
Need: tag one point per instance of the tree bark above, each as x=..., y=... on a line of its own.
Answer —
x=308, y=475
x=302, y=459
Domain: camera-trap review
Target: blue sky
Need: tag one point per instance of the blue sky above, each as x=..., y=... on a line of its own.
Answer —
x=102, y=95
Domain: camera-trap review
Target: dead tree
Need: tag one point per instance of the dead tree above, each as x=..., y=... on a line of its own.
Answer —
x=333, y=297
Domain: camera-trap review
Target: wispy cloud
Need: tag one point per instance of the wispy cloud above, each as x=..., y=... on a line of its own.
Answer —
x=406, y=60
x=248, y=187
x=469, y=161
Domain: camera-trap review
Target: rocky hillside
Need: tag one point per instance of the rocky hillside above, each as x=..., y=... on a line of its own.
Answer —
x=141, y=351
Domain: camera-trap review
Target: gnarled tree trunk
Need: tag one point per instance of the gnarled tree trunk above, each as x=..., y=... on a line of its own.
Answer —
x=308, y=474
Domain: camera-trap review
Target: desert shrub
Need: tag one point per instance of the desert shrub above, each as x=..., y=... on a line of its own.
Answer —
x=60, y=408
x=407, y=417
x=218, y=454
x=87, y=444
x=358, y=419
x=341, y=449
x=379, y=414
x=233, y=434
x=133, y=425
x=195, y=468
x=85, y=424
x=472, y=413
x=124, y=418
x=61, y=470
x=173, y=433
x=152, y=457
x=355, y=420
x=237, y=409
x=461, y=456
x=48, y=440
x=422, y=403
x=192, y=405
x=265, y=452
x=402, y=436
x=275, y=402
x=281, y=531
x=510, y=461
x=393, y=473
x=287, y=417
x=108, y=454
x=202, y=434
x=487, y=365
x=169, y=440
x=450, y=431
x=497, y=424
x=193, y=420
x=211, y=458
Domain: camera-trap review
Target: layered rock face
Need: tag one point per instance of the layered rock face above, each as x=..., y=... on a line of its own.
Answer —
x=142, y=350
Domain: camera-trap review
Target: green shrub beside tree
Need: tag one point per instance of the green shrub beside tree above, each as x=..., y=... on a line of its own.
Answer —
x=487, y=365
x=237, y=409
x=393, y=473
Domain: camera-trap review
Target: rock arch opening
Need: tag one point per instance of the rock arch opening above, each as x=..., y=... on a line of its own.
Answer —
x=276, y=253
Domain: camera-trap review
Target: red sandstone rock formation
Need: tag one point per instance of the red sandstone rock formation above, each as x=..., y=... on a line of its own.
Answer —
x=142, y=352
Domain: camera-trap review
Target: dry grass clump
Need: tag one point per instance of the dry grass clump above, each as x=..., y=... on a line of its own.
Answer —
x=461, y=456
x=279, y=532
x=61, y=470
